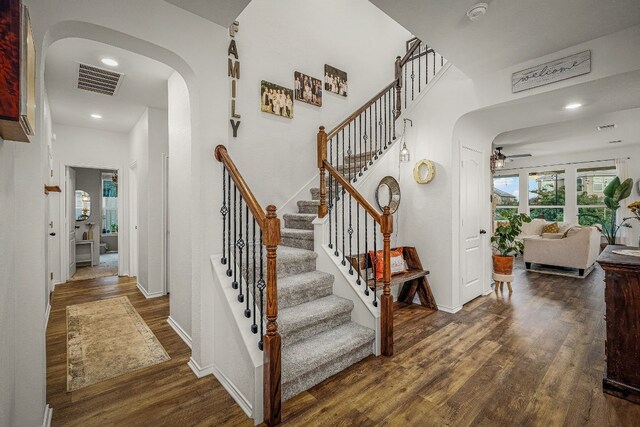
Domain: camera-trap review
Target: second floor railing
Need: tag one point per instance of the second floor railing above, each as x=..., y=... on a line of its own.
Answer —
x=247, y=230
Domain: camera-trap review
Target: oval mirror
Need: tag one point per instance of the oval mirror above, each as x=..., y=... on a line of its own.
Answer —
x=83, y=205
x=388, y=194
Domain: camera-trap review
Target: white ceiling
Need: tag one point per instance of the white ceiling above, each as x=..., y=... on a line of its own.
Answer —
x=512, y=31
x=540, y=125
x=222, y=12
x=574, y=136
x=144, y=85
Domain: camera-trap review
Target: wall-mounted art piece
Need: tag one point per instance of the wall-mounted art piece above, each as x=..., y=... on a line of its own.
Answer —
x=307, y=89
x=551, y=72
x=424, y=171
x=335, y=80
x=276, y=99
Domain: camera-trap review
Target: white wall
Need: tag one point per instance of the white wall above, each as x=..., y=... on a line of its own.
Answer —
x=276, y=39
x=180, y=210
x=148, y=141
x=92, y=148
x=7, y=284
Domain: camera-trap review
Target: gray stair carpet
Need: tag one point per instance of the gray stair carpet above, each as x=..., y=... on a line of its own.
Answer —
x=318, y=337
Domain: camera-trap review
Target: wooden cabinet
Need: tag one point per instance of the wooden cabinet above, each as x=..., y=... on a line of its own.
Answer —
x=17, y=73
x=622, y=298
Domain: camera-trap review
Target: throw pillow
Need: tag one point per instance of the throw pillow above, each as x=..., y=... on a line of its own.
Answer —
x=397, y=262
x=551, y=228
x=572, y=231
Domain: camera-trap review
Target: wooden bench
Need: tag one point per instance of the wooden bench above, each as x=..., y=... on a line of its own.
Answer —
x=413, y=281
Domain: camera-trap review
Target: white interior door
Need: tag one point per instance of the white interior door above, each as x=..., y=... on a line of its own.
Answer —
x=472, y=247
x=133, y=215
x=70, y=217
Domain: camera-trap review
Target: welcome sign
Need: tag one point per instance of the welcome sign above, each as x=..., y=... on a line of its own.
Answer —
x=551, y=72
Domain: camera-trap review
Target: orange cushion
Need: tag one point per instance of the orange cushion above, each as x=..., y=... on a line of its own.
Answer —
x=397, y=262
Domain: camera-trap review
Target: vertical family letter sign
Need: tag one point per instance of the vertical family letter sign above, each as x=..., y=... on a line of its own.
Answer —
x=234, y=75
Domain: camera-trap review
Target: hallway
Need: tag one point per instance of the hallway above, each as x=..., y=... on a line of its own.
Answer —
x=163, y=394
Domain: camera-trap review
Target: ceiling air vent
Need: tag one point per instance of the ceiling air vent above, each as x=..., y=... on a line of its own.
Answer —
x=606, y=127
x=615, y=141
x=97, y=80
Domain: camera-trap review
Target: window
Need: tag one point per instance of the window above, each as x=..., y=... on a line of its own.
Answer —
x=109, y=204
x=506, y=191
x=547, y=195
x=590, y=197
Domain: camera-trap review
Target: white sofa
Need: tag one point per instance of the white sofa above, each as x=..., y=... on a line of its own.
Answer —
x=578, y=250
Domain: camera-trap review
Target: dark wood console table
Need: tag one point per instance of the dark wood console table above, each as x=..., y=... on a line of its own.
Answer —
x=622, y=298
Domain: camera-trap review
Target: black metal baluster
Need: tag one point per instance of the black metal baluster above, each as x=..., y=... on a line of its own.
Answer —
x=350, y=152
x=441, y=61
x=254, y=326
x=365, y=137
x=380, y=123
x=240, y=245
x=419, y=67
x=234, y=284
x=358, y=281
x=360, y=139
x=356, y=157
x=405, y=86
x=350, y=231
x=366, y=255
x=343, y=229
x=261, y=286
x=224, y=211
x=375, y=127
x=336, y=166
x=434, y=63
x=330, y=205
x=247, y=311
x=375, y=265
x=343, y=160
x=336, y=198
x=371, y=127
x=413, y=78
x=393, y=121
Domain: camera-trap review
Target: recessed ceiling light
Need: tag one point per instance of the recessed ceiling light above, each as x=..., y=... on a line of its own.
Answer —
x=96, y=116
x=110, y=62
x=572, y=106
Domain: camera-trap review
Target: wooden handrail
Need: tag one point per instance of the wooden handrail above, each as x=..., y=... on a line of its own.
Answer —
x=271, y=342
x=258, y=213
x=360, y=110
x=410, y=52
x=377, y=216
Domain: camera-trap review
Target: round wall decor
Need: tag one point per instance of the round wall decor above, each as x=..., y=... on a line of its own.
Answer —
x=424, y=171
x=388, y=194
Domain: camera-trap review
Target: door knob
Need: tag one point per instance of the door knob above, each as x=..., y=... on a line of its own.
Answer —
x=52, y=234
x=483, y=232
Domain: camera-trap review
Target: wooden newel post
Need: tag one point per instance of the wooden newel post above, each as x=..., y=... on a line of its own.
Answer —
x=272, y=393
x=386, y=306
x=398, y=70
x=322, y=156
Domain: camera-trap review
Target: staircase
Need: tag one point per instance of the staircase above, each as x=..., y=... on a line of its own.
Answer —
x=318, y=337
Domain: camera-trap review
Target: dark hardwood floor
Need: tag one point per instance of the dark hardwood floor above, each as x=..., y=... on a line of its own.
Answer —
x=535, y=357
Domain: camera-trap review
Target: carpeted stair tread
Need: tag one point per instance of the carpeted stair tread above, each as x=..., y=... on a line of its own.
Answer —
x=360, y=156
x=315, y=194
x=305, y=287
x=295, y=261
x=299, y=220
x=312, y=360
x=296, y=238
x=308, y=206
x=311, y=318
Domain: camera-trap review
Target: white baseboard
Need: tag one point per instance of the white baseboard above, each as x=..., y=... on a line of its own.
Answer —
x=148, y=295
x=181, y=332
x=46, y=316
x=233, y=391
x=198, y=370
x=452, y=310
x=48, y=413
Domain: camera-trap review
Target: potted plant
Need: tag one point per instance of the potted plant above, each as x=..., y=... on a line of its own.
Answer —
x=506, y=244
x=614, y=193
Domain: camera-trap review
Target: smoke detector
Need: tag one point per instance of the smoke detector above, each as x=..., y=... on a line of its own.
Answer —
x=477, y=11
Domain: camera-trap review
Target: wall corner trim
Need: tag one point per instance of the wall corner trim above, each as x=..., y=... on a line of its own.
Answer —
x=451, y=310
x=198, y=370
x=148, y=295
x=233, y=391
x=46, y=316
x=48, y=413
x=181, y=332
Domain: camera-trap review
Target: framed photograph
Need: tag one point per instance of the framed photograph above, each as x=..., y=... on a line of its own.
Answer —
x=307, y=89
x=335, y=80
x=276, y=99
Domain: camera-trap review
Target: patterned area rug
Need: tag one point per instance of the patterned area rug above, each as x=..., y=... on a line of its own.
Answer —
x=108, y=267
x=106, y=339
